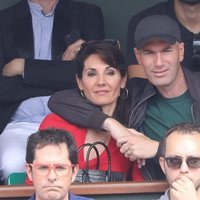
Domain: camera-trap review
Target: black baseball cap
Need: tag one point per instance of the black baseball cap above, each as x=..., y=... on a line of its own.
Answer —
x=157, y=27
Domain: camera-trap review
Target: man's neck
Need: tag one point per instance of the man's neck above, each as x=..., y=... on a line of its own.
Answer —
x=188, y=15
x=47, y=5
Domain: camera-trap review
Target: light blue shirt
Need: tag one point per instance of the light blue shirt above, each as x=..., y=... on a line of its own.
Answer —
x=42, y=30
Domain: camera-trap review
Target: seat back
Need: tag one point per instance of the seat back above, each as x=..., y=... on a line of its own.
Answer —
x=16, y=178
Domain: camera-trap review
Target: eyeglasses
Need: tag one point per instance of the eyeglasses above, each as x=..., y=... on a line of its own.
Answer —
x=44, y=169
x=176, y=162
x=196, y=44
x=196, y=51
x=111, y=42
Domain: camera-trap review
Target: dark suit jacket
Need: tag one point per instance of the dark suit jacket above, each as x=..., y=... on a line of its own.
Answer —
x=41, y=77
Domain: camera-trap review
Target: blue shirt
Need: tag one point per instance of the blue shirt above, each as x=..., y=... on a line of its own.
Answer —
x=42, y=30
x=71, y=197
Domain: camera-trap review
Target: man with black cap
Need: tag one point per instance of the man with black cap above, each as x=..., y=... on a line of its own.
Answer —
x=169, y=95
x=187, y=15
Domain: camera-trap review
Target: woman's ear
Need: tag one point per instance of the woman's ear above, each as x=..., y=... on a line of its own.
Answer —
x=123, y=82
x=79, y=83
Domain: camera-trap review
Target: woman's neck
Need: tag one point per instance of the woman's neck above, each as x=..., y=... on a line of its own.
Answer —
x=109, y=109
x=188, y=15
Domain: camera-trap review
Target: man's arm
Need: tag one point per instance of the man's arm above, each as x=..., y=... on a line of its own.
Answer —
x=60, y=74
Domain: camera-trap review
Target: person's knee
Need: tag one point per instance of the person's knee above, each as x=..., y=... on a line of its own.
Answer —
x=12, y=160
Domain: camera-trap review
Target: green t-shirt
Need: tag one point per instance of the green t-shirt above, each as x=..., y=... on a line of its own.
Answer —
x=162, y=113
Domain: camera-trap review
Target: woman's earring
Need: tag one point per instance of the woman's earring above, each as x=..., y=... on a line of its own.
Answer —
x=123, y=93
x=82, y=94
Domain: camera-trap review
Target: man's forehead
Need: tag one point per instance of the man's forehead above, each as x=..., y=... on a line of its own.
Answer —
x=183, y=143
x=156, y=42
x=51, y=150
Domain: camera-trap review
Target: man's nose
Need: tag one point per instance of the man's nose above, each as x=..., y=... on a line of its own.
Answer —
x=184, y=167
x=52, y=176
x=159, y=60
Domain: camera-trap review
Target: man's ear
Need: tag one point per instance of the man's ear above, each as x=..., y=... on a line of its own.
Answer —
x=137, y=55
x=74, y=172
x=29, y=172
x=162, y=164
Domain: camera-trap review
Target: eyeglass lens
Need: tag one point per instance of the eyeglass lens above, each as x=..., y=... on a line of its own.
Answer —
x=176, y=162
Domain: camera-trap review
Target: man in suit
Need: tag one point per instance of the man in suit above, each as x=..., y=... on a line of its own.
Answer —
x=38, y=41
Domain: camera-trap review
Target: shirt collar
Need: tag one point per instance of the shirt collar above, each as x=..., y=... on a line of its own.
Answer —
x=37, y=9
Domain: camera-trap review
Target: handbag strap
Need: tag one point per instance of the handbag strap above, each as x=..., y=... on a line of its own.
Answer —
x=108, y=156
x=93, y=147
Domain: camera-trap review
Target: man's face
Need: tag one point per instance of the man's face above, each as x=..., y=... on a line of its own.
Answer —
x=161, y=62
x=51, y=186
x=184, y=146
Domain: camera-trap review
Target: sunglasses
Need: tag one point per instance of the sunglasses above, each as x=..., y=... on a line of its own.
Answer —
x=112, y=42
x=176, y=162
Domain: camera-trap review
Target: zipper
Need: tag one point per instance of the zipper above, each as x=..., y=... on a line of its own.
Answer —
x=192, y=112
x=138, y=106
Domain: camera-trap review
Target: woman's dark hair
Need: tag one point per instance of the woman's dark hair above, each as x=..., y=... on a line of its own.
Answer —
x=111, y=55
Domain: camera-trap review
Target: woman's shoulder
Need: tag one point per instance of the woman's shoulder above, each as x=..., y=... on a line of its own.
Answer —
x=55, y=121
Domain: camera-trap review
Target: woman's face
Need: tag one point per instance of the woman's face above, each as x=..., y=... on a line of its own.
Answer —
x=100, y=82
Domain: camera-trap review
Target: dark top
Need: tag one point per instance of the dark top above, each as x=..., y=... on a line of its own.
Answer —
x=41, y=77
x=164, y=8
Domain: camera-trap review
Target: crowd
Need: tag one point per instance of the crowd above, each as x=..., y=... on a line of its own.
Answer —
x=66, y=91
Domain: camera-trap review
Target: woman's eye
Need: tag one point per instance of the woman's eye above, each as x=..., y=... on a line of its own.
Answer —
x=91, y=74
x=110, y=72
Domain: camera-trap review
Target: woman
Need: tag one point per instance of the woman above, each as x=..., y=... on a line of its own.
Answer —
x=101, y=79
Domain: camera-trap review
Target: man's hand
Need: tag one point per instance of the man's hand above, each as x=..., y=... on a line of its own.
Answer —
x=137, y=146
x=14, y=67
x=183, y=189
x=72, y=50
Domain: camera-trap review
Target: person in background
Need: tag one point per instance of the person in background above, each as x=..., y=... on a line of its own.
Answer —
x=101, y=79
x=179, y=157
x=168, y=96
x=187, y=14
x=52, y=164
x=38, y=41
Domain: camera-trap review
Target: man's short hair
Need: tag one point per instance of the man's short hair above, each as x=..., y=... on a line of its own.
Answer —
x=182, y=128
x=51, y=136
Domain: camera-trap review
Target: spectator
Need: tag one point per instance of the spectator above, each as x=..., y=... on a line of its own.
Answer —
x=35, y=62
x=52, y=164
x=101, y=78
x=179, y=153
x=169, y=95
x=187, y=14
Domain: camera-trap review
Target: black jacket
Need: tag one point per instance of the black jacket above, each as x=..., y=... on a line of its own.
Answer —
x=41, y=77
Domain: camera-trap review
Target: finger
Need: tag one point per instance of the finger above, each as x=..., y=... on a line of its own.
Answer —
x=124, y=148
